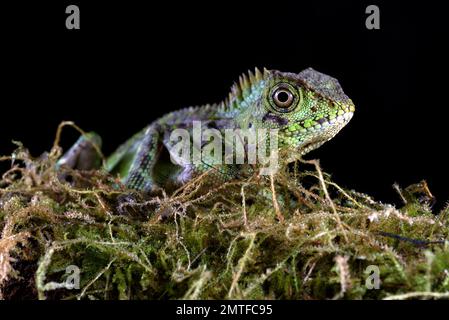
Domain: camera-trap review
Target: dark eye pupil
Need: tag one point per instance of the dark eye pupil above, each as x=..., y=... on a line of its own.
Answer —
x=282, y=96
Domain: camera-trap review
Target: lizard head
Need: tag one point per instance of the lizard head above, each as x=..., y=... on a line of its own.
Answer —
x=308, y=108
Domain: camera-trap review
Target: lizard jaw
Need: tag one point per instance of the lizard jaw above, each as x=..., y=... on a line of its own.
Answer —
x=324, y=132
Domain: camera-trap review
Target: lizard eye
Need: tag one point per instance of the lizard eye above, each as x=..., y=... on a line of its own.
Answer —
x=283, y=98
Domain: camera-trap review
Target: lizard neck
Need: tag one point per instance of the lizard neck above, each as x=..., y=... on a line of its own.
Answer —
x=241, y=105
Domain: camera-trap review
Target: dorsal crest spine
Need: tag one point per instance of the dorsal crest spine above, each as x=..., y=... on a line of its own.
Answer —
x=241, y=89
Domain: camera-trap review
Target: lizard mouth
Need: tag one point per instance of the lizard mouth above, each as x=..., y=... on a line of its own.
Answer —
x=317, y=135
x=324, y=131
x=327, y=124
x=309, y=146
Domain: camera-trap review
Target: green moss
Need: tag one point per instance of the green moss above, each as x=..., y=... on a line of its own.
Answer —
x=228, y=243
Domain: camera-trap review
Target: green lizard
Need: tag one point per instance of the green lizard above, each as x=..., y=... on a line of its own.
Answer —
x=307, y=109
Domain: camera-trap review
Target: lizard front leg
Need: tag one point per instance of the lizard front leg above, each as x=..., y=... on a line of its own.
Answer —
x=140, y=175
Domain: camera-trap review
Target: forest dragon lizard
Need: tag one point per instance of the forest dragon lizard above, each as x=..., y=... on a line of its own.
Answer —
x=307, y=109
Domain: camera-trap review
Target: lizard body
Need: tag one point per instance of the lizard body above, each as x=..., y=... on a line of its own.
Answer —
x=307, y=109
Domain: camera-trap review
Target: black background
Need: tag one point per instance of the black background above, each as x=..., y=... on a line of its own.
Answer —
x=132, y=62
